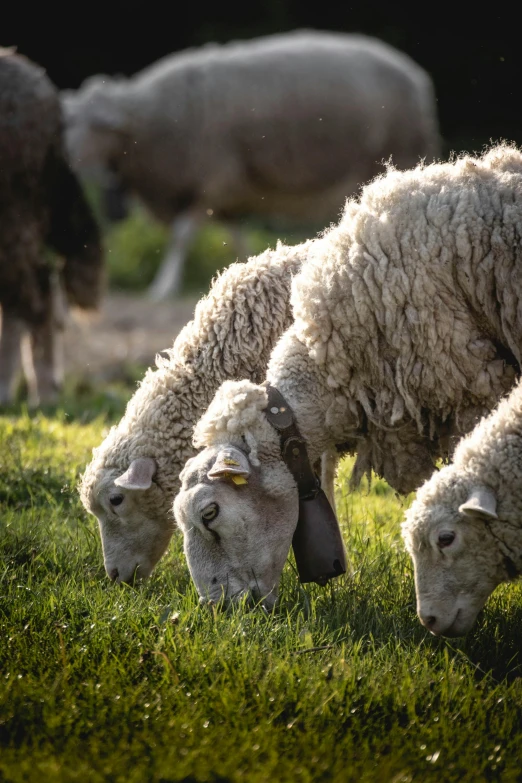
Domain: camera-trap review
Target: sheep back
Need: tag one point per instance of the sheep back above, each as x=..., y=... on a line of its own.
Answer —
x=492, y=453
x=412, y=304
x=289, y=123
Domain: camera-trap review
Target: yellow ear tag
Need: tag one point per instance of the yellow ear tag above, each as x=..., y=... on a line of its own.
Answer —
x=239, y=480
x=230, y=461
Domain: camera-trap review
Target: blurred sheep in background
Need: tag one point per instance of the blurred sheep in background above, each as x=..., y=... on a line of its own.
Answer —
x=288, y=125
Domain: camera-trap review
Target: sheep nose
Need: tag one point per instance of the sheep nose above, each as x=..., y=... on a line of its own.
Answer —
x=113, y=574
x=429, y=621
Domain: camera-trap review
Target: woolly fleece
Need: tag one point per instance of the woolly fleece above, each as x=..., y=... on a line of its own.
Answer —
x=286, y=124
x=408, y=318
x=231, y=336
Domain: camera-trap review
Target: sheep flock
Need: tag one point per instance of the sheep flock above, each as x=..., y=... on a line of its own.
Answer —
x=393, y=336
x=406, y=331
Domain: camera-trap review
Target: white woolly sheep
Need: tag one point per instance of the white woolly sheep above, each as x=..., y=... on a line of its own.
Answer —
x=464, y=529
x=407, y=329
x=288, y=125
x=134, y=475
x=41, y=204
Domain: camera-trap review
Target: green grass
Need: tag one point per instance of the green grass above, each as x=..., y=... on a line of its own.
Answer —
x=100, y=682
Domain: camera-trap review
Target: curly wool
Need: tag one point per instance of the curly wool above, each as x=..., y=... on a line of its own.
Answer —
x=234, y=411
x=410, y=307
x=492, y=456
x=231, y=336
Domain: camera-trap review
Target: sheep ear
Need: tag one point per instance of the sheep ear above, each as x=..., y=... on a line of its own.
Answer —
x=139, y=474
x=481, y=504
x=231, y=463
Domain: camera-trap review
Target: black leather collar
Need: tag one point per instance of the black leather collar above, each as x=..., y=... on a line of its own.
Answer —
x=293, y=447
x=317, y=542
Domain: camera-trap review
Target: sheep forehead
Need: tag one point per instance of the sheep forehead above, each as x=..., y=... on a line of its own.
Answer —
x=196, y=469
x=89, y=488
x=101, y=480
x=151, y=506
x=422, y=520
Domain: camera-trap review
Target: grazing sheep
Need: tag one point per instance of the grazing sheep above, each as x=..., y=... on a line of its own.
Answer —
x=407, y=328
x=41, y=204
x=464, y=529
x=134, y=475
x=287, y=125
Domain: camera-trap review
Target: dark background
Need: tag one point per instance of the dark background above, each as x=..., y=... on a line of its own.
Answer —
x=472, y=51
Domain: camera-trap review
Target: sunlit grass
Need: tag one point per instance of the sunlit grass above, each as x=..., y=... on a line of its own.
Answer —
x=100, y=682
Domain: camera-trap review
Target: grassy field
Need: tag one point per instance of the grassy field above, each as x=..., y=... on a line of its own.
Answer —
x=100, y=682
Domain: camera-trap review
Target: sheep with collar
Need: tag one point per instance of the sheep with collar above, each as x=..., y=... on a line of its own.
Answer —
x=133, y=477
x=464, y=529
x=287, y=124
x=407, y=329
x=42, y=206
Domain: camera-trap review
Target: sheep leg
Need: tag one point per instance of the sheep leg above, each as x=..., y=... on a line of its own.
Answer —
x=329, y=462
x=43, y=354
x=168, y=279
x=10, y=355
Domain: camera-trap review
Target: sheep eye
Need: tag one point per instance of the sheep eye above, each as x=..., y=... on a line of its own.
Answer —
x=446, y=538
x=116, y=500
x=209, y=513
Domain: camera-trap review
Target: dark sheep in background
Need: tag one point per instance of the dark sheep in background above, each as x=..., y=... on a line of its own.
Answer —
x=42, y=207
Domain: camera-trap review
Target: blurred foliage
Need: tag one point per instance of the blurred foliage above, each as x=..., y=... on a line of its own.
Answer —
x=136, y=246
x=134, y=249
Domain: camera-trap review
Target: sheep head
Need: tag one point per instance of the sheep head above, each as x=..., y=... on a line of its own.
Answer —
x=238, y=504
x=95, y=123
x=451, y=533
x=128, y=506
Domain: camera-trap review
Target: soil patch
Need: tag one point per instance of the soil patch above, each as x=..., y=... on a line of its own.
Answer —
x=128, y=330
